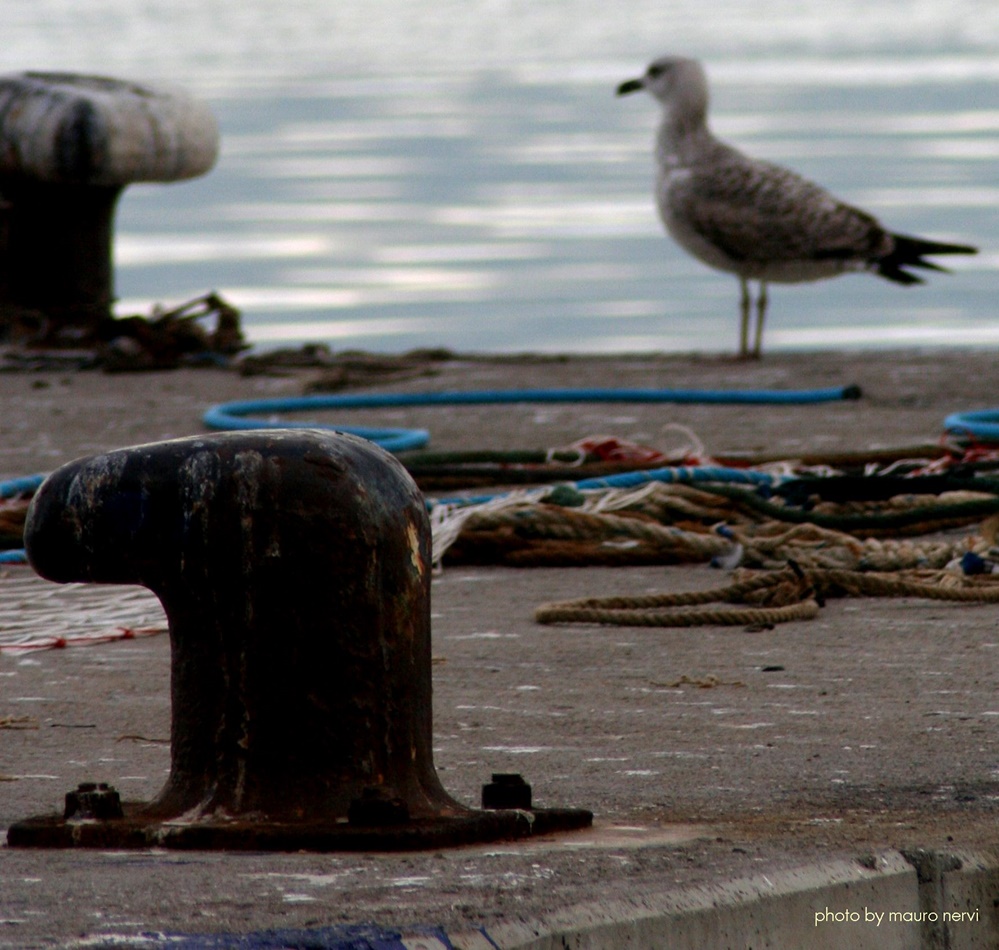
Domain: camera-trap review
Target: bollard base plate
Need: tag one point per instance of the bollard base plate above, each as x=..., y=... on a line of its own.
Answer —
x=134, y=831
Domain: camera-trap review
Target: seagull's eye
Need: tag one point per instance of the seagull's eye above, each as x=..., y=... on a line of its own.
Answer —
x=656, y=70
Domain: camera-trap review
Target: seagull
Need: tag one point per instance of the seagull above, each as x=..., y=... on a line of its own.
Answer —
x=755, y=219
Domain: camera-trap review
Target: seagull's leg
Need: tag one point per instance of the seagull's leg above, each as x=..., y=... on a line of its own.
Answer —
x=744, y=321
x=761, y=313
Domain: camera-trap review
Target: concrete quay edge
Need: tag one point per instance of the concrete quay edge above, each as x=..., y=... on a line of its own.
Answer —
x=919, y=899
x=891, y=899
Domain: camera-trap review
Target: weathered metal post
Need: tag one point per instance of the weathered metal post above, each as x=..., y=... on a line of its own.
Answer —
x=69, y=145
x=294, y=568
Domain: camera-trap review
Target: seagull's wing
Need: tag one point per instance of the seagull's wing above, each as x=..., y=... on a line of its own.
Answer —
x=758, y=212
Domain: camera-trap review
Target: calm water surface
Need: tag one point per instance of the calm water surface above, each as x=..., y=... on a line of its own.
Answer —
x=393, y=177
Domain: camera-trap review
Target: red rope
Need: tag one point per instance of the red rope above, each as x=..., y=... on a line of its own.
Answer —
x=61, y=643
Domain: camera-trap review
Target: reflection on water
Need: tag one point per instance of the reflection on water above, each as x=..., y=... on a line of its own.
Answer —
x=505, y=202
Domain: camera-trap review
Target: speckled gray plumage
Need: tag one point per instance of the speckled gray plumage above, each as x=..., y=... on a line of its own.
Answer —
x=755, y=219
x=763, y=217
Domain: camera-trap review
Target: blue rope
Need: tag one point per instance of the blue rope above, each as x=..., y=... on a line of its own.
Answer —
x=10, y=489
x=688, y=475
x=982, y=424
x=244, y=414
x=681, y=474
x=684, y=474
x=241, y=415
x=18, y=486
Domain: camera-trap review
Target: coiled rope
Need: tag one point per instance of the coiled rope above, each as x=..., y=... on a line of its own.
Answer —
x=770, y=598
x=765, y=600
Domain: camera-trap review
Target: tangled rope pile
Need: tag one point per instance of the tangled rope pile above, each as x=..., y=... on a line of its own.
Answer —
x=789, y=556
x=565, y=527
x=674, y=523
x=844, y=524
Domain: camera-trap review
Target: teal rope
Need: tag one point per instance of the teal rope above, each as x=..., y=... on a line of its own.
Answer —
x=982, y=425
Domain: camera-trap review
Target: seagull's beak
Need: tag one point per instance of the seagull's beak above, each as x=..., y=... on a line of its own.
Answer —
x=632, y=85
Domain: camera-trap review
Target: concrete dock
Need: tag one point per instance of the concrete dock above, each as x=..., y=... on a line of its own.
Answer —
x=825, y=783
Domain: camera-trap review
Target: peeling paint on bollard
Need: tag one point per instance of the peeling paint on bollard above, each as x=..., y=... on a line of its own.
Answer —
x=294, y=568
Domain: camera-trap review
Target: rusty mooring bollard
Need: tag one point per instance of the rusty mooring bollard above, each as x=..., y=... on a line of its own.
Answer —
x=69, y=145
x=294, y=568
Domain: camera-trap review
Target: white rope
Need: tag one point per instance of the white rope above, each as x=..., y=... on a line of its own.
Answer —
x=447, y=520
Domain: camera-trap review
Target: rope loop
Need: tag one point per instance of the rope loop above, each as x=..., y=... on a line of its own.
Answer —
x=767, y=598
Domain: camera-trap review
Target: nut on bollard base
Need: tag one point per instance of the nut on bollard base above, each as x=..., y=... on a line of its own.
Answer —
x=134, y=831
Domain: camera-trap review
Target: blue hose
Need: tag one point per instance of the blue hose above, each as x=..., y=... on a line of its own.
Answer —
x=982, y=424
x=688, y=475
x=684, y=474
x=18, y=486
x=240, y=415
x=243, y=414
x=10, y=489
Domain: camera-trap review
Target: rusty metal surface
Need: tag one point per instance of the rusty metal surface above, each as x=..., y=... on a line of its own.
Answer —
x=137, y=829
x=294, y=569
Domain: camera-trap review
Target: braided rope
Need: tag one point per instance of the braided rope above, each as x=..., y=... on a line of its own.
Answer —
x=936, y=585
x=671, y=523
x=972, y=506
x=736, y=592
x=679, y=617
x=690, y=608
x=533, y=521
x=768, y=598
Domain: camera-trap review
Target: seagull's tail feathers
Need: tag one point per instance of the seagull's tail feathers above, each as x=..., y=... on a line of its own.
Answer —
x=910, y=252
